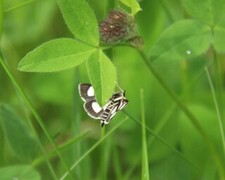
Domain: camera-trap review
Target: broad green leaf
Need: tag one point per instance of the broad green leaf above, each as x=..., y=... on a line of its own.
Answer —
x=55, y=55
x=102, y=74
x=19, y=136
x=207, y=11
x=23, y=172
x=81, y=20
x=219, y=37
x=133, y=5
x=184, y=39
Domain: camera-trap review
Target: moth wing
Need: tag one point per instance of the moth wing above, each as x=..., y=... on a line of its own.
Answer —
x=93, y=109
x=86, y=92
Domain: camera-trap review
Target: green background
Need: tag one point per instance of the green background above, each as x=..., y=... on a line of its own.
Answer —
x=184, y=43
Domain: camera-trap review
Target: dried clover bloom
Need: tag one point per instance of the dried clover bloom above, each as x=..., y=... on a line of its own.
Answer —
x=117, y=27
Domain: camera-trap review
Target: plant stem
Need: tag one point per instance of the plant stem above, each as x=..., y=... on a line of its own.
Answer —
x=34, y=112
x=103, y=156
x=217, y=109
x=145, y=168
x=219, y=82
x=186, y=111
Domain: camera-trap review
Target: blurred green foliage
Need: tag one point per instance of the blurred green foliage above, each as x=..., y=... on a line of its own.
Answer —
x=167, y=35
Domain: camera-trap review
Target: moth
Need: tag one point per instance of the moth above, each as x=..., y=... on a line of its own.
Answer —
x=116, y=103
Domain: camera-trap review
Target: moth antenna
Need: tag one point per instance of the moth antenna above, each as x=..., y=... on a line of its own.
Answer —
x=118, y=86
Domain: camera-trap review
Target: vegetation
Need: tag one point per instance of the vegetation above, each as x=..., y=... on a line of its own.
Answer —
x=167, y=55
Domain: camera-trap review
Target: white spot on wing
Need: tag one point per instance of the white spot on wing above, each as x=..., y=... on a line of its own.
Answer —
x=96, y=107
x=90, y=91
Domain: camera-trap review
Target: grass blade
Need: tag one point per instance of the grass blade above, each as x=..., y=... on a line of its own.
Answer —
x=103, y=156
x=217, y=109
x=145, y=167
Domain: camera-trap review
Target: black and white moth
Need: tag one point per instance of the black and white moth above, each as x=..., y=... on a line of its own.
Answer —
x=94, y=110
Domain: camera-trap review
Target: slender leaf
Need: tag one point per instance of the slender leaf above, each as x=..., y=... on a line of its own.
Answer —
x=184, y=39
x=56, y=55
x=102, y=74
x=23, y=172
x=218, y=112
x=133, y=5
x=207, y=11
x=81, y=20
x=145, y=167
x=19, y=136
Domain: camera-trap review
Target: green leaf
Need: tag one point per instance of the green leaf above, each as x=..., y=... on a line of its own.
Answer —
x=55, y=55
x=81, y=20
x=102, y=74
x=22, y=172
x=133, y=5
x=219, y=37
x=207, y=11
x=184, y=39
x=19, y=136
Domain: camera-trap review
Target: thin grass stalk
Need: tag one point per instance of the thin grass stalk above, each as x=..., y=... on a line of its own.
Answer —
x=219, y=118
x=103, y=170
x=145, y=167
x=117, y=164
